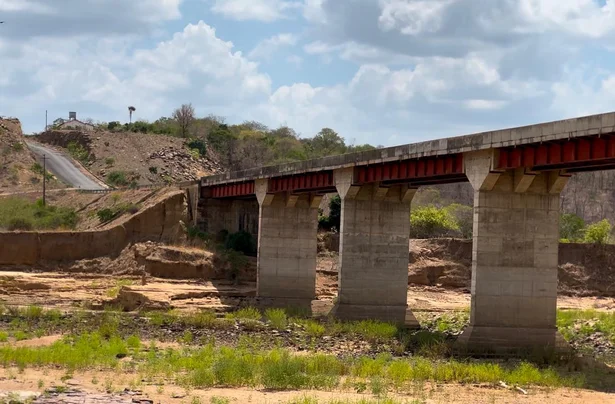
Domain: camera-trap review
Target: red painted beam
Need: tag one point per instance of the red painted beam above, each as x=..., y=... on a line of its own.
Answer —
x=237, y=189
x=423, y=168
x=575, y=152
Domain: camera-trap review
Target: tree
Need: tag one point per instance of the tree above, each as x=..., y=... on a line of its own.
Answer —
x=571, y=227
x=131, y=109
x=326, y=143
x=598, y=233
x=184, y=116
x=430, y=221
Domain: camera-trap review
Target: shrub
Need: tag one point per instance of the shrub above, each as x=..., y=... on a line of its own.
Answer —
x=430, y=221
x=335, y=214
x=18, y=146
x=241, y=241
x=113, y=125
x=571, y=227
x=105, y=215
x=78, y=152
x=199, y=145
x=195, y=154
x=599, y=232
x=109, y=161
x=153, y=170
x=277, y=318
x=117, y=178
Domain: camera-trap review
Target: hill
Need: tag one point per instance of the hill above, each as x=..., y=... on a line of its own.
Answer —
x=129, y=158
x=19, y=169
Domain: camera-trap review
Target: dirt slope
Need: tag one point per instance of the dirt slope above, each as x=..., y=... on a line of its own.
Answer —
x=144, y=158
x=16, y=161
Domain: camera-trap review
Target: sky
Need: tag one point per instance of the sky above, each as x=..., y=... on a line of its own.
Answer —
x=383, y=72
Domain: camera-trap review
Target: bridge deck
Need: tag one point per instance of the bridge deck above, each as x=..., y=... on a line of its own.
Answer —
x=567, y=129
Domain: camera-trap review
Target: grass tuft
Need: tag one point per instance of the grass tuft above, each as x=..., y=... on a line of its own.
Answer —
x=277, y=318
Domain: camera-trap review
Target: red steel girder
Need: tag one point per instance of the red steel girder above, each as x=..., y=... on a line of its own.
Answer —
x=573, y=152
x=302, y=182
x=426, y=167
x=236, y=189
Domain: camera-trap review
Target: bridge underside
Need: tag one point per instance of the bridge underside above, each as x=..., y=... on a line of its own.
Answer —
x=515, y=231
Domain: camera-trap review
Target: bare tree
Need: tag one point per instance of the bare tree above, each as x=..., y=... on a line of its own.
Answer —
x=131, y=109
x=184, y=116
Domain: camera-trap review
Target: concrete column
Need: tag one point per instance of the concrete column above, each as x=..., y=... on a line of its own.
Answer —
x=286, y=244
x=374, y=236
x=232, y=215
x=514, y=259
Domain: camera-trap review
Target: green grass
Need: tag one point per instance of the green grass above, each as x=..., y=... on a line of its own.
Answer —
x=20, y=214
x=386, y=400
x=273, y=369
x=277, y=318
x=582, y=323
x=4, y=336
x=115, y=290
x=246, y=313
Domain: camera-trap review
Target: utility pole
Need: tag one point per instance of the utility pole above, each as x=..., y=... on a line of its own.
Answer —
x=44, y=178
x=45, y=121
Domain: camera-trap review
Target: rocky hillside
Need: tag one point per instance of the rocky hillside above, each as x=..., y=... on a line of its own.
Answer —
x=125, y=158
x=19, y=170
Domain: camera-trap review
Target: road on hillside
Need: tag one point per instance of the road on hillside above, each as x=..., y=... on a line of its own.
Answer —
x=63, y=168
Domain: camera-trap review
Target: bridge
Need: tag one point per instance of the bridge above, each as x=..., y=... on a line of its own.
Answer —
x=517, y=175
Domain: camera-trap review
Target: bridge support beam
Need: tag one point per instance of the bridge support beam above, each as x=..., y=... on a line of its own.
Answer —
x=514, y=260
x=216, y=215
x=374, y=236
x=286, y=266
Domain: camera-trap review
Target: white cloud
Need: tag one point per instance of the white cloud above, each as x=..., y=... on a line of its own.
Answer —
x=260, y=10
x=295, y=60
x=412, y=17
x=267, y=47
x=484, y=104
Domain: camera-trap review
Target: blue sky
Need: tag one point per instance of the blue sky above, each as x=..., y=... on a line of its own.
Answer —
x=378, y=71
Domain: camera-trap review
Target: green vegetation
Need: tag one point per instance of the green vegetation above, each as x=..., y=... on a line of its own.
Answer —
x=277, y=318
x=574, y=230
x=109, y=161
x=598, y=233
x=241, y=241
x=578, y=324
x=20, y=214
x=78, y=152
x=114, y=291
x=272, y=369
x=117, y=179
x=246, y=313
x=430, y=221
x=36, y=168
x=108, y=214
x=335, y=213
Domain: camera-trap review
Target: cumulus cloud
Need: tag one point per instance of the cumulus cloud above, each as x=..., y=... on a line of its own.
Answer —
x=259, y=10
x=267, y=47
x=42, y=18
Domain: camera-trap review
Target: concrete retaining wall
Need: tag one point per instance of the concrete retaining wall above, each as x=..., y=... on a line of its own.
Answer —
x=159, y=222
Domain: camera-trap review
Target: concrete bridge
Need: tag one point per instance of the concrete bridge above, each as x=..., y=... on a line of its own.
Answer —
x=517, y=175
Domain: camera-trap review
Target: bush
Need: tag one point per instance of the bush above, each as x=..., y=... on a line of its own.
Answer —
x=598, y=233
x=195, y=154
x=153, y=170
x=429, y=221
x=198, y=145
x=78, y=152
x=109, y=161
x=113, y=125
x=18, y=146
x=117, y=178
x=571, y=227
x=241, y=241
x=105, y=215
x=335, y=214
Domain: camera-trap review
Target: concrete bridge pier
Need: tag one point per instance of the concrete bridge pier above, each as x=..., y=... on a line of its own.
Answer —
x=514, y=258
x=373, y=260
x=286, y=266
x=232, y=215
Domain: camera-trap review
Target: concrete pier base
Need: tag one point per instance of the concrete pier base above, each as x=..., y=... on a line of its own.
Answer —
x=286, y=264
x=514, y=259
x=375, y=228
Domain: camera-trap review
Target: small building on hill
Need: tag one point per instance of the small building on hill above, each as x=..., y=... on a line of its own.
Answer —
x=73, y=123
